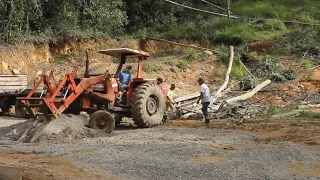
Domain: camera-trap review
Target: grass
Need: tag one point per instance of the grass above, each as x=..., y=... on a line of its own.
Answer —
x=279, y=9
x=220, y=31
x=223, y=53
x=148, y=67
x=274, y=110
x=61, y=58
x=238, y=70
x=165, y=53
x=182, y=64
x=307, y=115
x=309, y=64
x=240, y=31
x=194, y=54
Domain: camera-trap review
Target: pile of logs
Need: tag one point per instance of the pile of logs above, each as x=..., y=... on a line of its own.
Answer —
x=223, y=104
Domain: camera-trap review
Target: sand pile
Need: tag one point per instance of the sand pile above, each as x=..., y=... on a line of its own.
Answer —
x=65, y=127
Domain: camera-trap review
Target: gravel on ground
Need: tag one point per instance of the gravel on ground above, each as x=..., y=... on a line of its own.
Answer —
x=170, y=152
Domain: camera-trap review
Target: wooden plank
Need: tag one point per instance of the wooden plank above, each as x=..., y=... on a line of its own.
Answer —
x=11, y=75
x=12, y=87
x=128, y=52
x=188, y=97
x=11, y=78
x=13, y=83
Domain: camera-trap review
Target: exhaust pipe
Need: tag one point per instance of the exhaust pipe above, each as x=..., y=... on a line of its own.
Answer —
x=86, y=74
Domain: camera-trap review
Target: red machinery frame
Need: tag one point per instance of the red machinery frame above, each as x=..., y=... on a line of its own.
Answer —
x=97, y=88
x=57, y=105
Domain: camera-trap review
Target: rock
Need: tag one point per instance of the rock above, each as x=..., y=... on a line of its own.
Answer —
x=72, y=61
x=5, y=66
x=39, y=73
x=174, y=69
x=208, y=53
x=15, y=71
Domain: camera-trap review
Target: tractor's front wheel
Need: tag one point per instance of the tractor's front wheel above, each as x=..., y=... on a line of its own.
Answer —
x=147, y=105
x=102, y=120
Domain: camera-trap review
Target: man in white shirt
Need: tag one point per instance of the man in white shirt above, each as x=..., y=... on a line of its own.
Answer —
x=205, y=99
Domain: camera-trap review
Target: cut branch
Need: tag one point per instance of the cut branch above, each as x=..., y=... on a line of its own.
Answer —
x=249, y=94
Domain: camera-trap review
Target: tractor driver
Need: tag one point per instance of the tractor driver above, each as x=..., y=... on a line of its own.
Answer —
x=124, y=78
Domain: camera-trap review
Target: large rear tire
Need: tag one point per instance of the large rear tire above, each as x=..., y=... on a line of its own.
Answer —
x=147, y=105
x=102, y=120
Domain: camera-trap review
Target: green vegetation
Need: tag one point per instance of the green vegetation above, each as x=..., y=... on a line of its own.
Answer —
x=39, y=19
x=308, y=64
x=308, y=115
x=289, y=74
x=182, y=64
x=24, y=19
x=148, y=67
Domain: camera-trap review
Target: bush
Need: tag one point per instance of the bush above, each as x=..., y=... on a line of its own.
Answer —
x=238, y=70
x=270, y=25
x=228, y=39
x=246, y=83
x=289, y=74
x=182, y=64
x=184, y=31
x=223, y=53
x=275, y=77
x=234, y=35
x=304, y=42
x=265, y=66
x=309, y=64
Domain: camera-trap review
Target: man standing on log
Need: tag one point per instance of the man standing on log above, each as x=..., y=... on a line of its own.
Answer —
x=205, y=99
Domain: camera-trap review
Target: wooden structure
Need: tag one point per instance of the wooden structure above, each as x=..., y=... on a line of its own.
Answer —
x=13, y=82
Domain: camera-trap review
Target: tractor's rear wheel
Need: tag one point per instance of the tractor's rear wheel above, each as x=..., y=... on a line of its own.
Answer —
x=147, y=105
x=102, y=120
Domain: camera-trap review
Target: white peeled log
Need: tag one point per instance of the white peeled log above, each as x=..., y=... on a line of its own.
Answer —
x=215, y=97
x=242, y=97
x=250, y=93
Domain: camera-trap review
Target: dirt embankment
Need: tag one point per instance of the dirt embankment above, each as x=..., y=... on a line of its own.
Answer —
x=33, y=58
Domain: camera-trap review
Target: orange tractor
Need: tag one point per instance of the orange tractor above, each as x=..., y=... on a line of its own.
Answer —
x=99, y=95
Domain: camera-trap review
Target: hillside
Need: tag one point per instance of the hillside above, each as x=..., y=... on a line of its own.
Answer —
x=277, y=40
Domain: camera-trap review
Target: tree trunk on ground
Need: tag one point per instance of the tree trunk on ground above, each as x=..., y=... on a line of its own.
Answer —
x=226, y=81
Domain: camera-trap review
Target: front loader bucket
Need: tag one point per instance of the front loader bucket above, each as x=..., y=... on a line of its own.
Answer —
x=54, y=102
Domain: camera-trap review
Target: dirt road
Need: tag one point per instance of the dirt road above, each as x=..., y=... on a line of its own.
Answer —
x=172, y=152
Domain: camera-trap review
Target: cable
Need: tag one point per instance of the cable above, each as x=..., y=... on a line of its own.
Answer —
x=188, y=7
x=238, y=17
x=213, y=5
